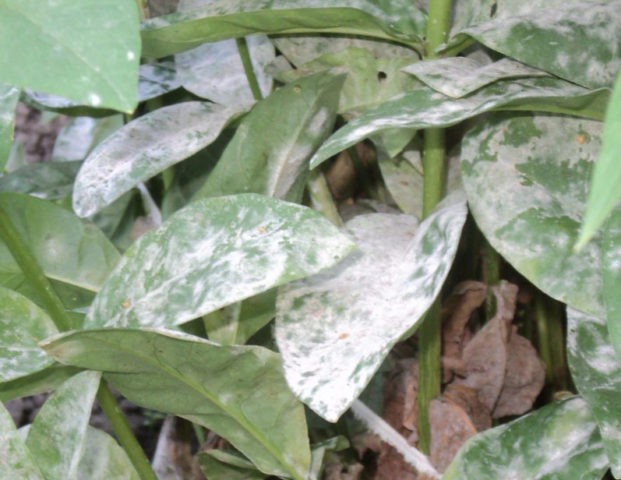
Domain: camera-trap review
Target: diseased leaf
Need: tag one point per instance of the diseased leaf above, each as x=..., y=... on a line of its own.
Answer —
x=94, y=43
x=335, y=329
x=16, y=461
x=81, y=134
x=48, y=180
x=596, y=372
x=69, y=251
x=459, y=76
x=563, y=444
x=22, y=325
x=604, y=192
x=579, y=43
x=224, y=19
x=157, y=79
x=145, y=147
x=237, y=392
x=212, y=253
x=425, y=108
x=103, y=459
x=526, y=179
x=611, y=272
x=300, y=115
x=57, y=435
x=8, y=101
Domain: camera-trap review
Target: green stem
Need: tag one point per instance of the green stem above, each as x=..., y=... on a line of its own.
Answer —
x=244, y=54
x=434, y=152
x=54, y=306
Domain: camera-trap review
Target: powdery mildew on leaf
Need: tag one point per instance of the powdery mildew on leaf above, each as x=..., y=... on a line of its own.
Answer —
x=558, y=441
x=580, y=43
x=22, y=325
x=459, y=76
x=157, y=79
x=57, y=435
x=335, y=329
x=145, y=147
x=16, y=461
x=526, y=179
x=237, y=392
x=103, y=458
x=596, y=371
x=212, y=253
x=425, y=108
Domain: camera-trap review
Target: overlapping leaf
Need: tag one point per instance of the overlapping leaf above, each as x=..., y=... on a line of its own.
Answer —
x=559, y=441
x=579, y=43
x=526, y=178
x=300, y=115
x=8, y=100
x=335, y=329
x=224, y=19
x=237, y=392
x=94, y=43
x=80, y=135
x=144, y=147
x=596, y=372
x=103, y=459
x=48, y=180
x=16, y=461
x=212, y=253
x=425, y=108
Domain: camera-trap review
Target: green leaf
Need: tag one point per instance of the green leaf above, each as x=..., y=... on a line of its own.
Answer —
x=224, y=19
x=426, y=108
x=57, y=435
x=8, y=101
x=604, y=193
x=48, y=180
x=212, y=253
x=103, y=459
x=300, y=116
x=39, y=382
x=87, y=51
x=335, y=329
x=81, y=134
x=596, y=372
x=237, y=392
x=22, y=325
x=559, y=441
x=526, y=180
x=460, y=76
x=220, y=465
x=68, y=250
x=610, y=261
x=16, y=461
x=578, y=42
x=145, y=147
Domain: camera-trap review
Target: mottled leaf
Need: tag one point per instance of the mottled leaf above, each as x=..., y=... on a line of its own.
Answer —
x=559, y=441
x=212, y=253
x=157, y=79
x=8, y=101
x=335, y=329
x=237, y=392
x=103, y=459
x=81, y=134
x=16, y=461
x=300, y=115
x=604, y=193
x=88, y=52
x=48, y=180
x=144, y=147
x=68, y=250
x=57, y=435
x=611, y=272
x=526, y=179
x=425, y=108
x=224, y=19
x=22, y=325
x=596, y=372
x=459, y=76
x=579, y=43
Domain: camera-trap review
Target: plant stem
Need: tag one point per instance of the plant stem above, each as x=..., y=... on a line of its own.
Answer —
x=430, y=332
x=54, y=306
x=244, y=54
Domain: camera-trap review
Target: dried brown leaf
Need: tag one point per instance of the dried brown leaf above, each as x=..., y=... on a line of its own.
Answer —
x=468, y=399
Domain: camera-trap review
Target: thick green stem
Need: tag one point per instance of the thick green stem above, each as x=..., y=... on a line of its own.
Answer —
x=55, y=308
x=244, y=54
x=434, y=152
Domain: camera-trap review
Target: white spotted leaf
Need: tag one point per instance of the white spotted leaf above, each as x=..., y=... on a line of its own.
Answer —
x=596, y=372
x=212, y=253
x=563, y=444
x=16, y=461
x=8, y=101
x=145, y=147
x=238, y=392
x=335, y=329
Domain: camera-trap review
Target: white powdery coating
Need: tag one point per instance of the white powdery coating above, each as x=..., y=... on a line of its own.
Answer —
x=334, y=330
x=230, y=248
x=143, y=148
